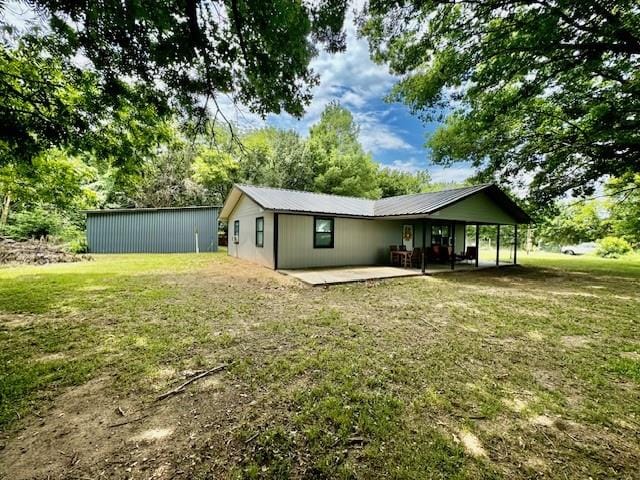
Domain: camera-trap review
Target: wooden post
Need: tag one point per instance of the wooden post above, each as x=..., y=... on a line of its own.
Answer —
x=453, y=244
x=464, y=238
x=477, y=243
x=424, y=246
x=515, y=244
x=497, y=245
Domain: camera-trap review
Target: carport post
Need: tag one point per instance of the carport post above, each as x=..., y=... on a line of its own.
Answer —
x=424, y=246
x=515, y=244
x=453, y=244
x=275, y=241
x=477, y=243
x=497, y=245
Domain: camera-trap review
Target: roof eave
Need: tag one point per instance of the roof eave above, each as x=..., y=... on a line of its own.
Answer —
x=230, y=203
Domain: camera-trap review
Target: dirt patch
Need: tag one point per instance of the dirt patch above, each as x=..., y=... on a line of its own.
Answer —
x=575, y=341
x=516, y=404
x=535, y=335
x=152, y=435
x=537, y=464
x=631, y=355
x=17, y=320
x=91, y=431
x=543, y=421
x=53, y=357
x=35, y=252
x=472, y=444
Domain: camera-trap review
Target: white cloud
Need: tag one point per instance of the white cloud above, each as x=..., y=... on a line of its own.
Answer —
x=410, y=165
x=376, y=135
x=451, y=174
x=352, y=79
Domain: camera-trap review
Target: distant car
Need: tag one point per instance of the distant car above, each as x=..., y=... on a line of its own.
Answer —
x=579, y=249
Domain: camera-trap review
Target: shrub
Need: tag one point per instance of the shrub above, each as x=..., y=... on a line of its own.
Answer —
x=612, y=247
x=35, y=223
x=74, y=239
x=78, y=245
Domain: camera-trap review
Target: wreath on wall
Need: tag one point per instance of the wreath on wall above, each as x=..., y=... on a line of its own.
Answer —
x=408, y=233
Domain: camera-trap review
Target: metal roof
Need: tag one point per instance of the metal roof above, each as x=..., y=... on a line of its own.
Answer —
x=309, y=202
x=423, y=203
x=283, y=200
x=146, y=209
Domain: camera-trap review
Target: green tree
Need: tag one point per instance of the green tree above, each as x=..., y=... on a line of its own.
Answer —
x=48, y=101
x=216, y=171
x=394, y=182
x=54, y=178
x=580, y=222
x=547, y=90
x=624, y=207
x=341, y=166
x=255, y=51
x=276, y=158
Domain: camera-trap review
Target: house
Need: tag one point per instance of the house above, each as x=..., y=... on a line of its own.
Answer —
x=288, y=229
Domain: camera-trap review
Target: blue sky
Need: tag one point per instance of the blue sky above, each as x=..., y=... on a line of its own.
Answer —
x=388, y=130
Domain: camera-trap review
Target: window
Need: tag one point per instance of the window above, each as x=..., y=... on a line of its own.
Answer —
x=260, y=232
x=322, y=232
x=236, y=231
x=440, y=235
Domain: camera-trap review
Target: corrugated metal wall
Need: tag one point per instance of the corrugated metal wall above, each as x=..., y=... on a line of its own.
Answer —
x=153, y=231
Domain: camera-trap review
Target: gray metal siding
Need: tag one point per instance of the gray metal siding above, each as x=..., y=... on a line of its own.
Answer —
x=246, y=212
x=153, y=231
x=356, y=242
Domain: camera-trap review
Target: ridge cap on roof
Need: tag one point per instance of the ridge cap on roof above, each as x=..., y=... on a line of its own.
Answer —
x=240, y=185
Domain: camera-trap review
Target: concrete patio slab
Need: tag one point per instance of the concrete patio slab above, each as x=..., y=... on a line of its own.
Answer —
x=335, y=275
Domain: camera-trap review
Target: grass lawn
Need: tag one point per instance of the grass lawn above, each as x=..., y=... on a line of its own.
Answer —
x=529, y=372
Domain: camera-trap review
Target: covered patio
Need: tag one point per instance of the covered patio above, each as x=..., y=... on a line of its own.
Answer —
x=437, y=245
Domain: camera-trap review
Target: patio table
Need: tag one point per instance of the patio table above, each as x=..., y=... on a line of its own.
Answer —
x=400, y=254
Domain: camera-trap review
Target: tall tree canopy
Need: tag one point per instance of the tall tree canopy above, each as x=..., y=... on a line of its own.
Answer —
x=341, y=166
x=256, y=51
x=129, y=64
x=48, y=101
x=546, y=91
x=395, y=182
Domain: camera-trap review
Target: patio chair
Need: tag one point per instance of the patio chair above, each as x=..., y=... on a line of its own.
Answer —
x=434, y=253
x=416, y=257
x=470, y=254
x=392, y=258
x=440, y=253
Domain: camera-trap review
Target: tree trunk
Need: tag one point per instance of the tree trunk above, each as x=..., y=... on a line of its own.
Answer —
x=529, y=239
x=5, y=209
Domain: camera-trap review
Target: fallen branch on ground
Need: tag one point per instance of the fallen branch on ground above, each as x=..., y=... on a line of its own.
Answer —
x=133, y=420
x=180, y=388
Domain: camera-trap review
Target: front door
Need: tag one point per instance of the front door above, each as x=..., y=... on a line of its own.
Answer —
x=407, y=236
